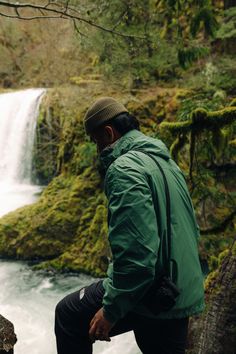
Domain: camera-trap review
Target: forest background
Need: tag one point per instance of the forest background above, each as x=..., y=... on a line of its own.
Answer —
x=172, y=63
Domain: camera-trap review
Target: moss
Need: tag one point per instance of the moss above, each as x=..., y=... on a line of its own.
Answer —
x=202, y=120
x=233, y=103
x=210, y=281
x=213, y=263
x=221, y=118
x=46, y=145
x=199, y=116
x=233, y=143
x=69, y=217
x=223, y=255
x=80, y=81
x=175, y=128
x=176, y=146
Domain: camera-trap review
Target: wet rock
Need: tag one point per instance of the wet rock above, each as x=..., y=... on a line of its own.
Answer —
x=7, y=336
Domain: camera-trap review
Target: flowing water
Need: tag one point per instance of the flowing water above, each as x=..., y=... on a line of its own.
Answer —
x=18, y=116
x=28, y=298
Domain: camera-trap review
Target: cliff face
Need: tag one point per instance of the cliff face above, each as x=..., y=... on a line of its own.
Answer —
x=66, y=228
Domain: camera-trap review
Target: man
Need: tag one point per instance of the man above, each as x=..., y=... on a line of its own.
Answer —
x=138, y=236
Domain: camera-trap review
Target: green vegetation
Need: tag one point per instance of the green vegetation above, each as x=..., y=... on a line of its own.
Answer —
x=178, y=79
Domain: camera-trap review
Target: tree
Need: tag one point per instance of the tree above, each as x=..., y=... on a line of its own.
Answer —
x=67, y=10
x=229, y=3
x=214, y=332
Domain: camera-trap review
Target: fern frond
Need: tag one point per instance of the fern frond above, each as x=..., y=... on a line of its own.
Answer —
x=187, y=56
x=205, y=16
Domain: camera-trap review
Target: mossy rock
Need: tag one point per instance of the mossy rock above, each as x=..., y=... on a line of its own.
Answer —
x=69, y=216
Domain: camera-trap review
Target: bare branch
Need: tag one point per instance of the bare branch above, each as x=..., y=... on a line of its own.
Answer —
x=77, y=29
x=28, y=18
x=119, y=20
x=49, y=3
x=17, y=12
x=66, y=7
x=67, y=12
x=41, y=11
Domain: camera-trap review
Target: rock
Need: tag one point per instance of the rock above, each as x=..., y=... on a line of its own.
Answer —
x=7, y=336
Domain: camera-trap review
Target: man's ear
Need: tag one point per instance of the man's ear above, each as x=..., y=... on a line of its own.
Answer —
x=109, y=134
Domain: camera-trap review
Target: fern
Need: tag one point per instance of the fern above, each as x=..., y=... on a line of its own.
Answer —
x=205, y=16
x=187, y=56
x=228, y=28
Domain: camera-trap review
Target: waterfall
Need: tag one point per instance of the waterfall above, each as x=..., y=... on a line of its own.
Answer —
x=18, y=117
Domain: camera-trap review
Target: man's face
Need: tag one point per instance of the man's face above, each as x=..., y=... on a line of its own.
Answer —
x=104, y=136
x=98, y=137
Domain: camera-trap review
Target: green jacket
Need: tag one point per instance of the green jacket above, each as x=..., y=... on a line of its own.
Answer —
x=137, y=229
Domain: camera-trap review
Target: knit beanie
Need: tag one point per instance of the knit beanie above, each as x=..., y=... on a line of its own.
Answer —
x=103, y=110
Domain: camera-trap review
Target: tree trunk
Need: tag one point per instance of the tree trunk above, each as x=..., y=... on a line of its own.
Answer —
x=229, y=3
x=215, y=331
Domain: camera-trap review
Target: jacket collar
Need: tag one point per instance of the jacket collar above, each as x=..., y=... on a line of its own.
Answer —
x=120, y=147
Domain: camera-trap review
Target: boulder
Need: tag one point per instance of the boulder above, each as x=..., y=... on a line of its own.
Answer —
x=7, y=336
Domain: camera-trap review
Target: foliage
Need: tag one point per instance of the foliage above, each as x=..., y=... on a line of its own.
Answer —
x=39, y=54
x=165, y=27
x=205, y=99
x=165, y=36
x=204, y=15
x=213, y=75
x=205, y=138
x=228, y=27
x=189, y=55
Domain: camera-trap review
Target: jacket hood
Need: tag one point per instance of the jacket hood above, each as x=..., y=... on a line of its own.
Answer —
x=132, y=140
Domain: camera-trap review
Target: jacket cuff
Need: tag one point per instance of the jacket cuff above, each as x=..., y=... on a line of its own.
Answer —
x=109, y=316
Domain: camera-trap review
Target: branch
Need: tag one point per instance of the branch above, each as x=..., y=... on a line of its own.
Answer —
x=28, y=18
x=219, y=228
x=66, y=12
x=202, y=120
x=119, y=20
x=77, y=29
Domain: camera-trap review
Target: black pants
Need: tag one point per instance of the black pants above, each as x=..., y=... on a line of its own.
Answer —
x=75, y=311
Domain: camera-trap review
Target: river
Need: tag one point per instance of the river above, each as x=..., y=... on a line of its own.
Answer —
x=27, y=297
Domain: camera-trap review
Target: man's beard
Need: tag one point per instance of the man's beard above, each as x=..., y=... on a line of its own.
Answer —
x=101, y=169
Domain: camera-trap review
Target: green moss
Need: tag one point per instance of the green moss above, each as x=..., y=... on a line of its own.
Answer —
x=210, y=281
x=213, y=263
x=233, y=103
x=176, y=146
x=202, y=120
x=234, y=249
x=223, y=255
x=233, y=143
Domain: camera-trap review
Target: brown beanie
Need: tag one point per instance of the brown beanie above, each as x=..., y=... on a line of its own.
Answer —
x=102, y=110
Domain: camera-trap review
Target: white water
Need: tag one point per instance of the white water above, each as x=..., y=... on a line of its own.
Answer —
x=28, y=298
x=18, y=116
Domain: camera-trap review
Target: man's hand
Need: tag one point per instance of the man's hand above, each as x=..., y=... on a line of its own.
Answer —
x=99, y=327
